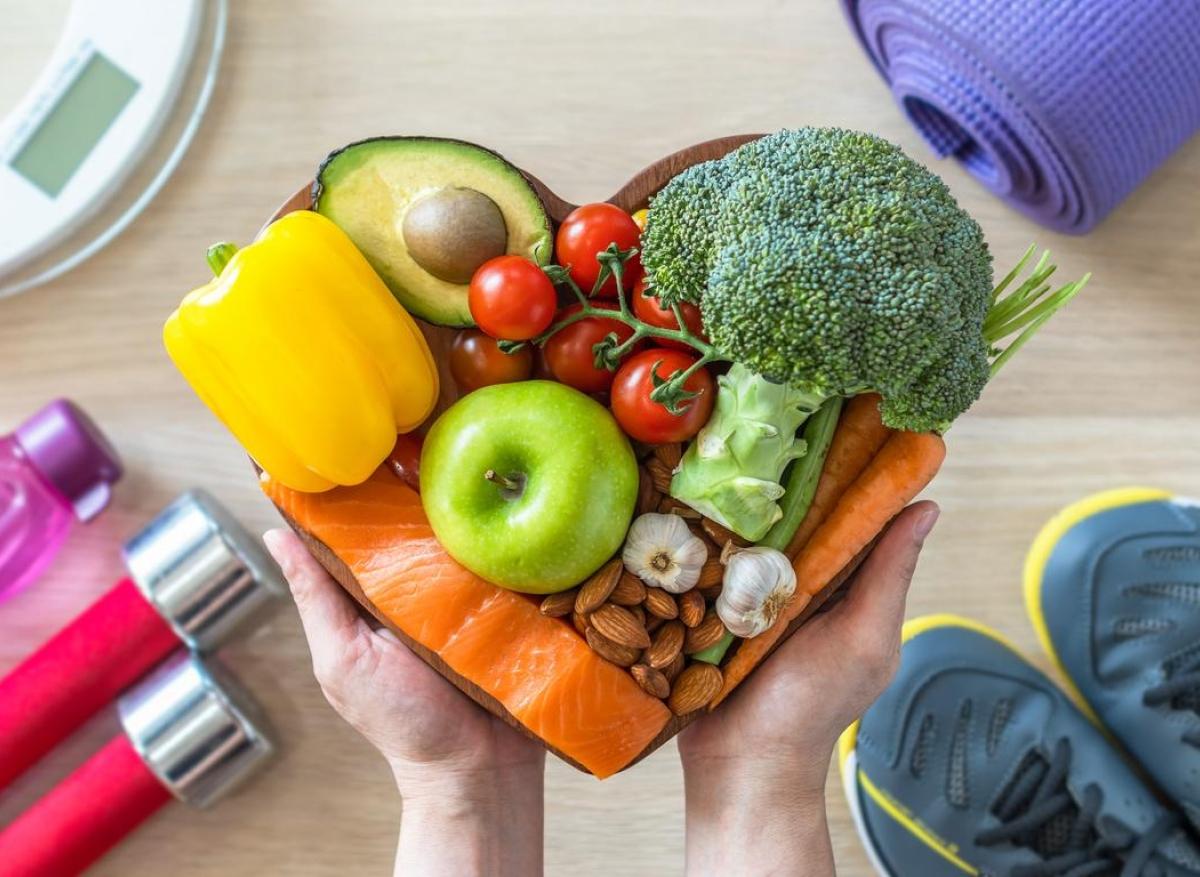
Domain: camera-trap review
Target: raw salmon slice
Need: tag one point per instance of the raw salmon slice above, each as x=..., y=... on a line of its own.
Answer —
x=588, y=711
x=543, y=673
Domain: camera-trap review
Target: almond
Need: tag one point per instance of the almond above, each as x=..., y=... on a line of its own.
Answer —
x=622, y=656
x=647, y=498
x=597, y=589
x=621, y=626
x=558, y=605
x=660, y=474
x=712, y=593
x=691, y=607
x=653, y=682
x=671, y=506
x=697, y=529
x=653, y=623
x=661, y=604
x=669, y=455
x=712, y=573
x=629, y=590
x=696, y=686
x=672, y=670
x=706, y=634
x=720, y=534
x=639, y=613
x=666, y=646
x=580, y=622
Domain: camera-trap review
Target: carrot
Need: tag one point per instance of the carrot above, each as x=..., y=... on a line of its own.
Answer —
x=903, y=467
x=859, y=436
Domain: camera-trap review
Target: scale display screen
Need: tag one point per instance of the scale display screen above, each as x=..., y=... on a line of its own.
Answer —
x=75, y=124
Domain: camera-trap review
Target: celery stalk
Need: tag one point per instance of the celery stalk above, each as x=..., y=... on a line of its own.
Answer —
x=804, y=474
x=714, y=654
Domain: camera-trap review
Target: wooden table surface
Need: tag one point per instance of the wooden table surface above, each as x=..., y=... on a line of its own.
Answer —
x=582, y=94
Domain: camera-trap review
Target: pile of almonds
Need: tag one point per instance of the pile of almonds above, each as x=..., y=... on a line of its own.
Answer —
x=648, y=630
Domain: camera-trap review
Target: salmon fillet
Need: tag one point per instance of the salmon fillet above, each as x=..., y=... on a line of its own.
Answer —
x=539, y=668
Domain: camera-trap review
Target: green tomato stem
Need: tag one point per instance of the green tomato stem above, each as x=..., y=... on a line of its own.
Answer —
x=670, y=393
x=641, y=330
x=673, y=391
x=624, y=347
x=619, y=277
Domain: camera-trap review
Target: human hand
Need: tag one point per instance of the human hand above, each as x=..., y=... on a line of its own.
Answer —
x=472, y=785
x=756, y=767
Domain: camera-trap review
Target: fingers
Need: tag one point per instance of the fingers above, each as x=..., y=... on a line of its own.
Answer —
x=881, y=584
x=331, y=623
x=868, y=621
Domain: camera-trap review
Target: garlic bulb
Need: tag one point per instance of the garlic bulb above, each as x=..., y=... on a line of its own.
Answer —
x=759, y=582
x=663, y=552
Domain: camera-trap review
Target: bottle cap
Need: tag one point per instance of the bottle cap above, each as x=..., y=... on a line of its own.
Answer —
x=196, y=729
x=210, y=579
x=67, y=448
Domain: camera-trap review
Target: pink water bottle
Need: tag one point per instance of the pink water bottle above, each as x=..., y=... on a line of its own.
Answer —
x=57, y=466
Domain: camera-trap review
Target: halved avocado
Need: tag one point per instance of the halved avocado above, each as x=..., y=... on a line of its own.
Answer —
x=427, y=212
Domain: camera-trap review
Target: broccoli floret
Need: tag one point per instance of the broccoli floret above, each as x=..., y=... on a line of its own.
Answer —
x=682, y=234
x=829, y=260
x=826, y=263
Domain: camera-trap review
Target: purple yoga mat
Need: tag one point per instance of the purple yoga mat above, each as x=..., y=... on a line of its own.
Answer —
x=1060, y=107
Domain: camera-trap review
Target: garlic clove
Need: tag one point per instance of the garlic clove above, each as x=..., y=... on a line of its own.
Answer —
x=663, y=552
x=759, y=583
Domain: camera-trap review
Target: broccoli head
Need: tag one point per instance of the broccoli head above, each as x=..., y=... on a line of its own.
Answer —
x=828, y=260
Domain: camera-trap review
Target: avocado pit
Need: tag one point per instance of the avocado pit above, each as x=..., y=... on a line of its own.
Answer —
x=451, y=231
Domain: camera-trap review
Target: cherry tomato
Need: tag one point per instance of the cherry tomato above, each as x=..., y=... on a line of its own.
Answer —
x=569, y=352
x=589, y=230
x=649, y=310
x=649, y=421
x=511, y=298
x=405, y=459
x=477, y=361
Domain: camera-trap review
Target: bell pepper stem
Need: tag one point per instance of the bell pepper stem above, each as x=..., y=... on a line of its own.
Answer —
x=218, y=256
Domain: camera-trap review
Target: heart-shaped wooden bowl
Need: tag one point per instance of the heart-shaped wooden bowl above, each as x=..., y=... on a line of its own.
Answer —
x=632, y=196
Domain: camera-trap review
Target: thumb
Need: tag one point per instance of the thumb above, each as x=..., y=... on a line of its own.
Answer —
x=330, y=620
x=871, y=615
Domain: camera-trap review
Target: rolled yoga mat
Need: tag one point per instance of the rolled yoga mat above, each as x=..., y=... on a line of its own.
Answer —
x=1060, y=107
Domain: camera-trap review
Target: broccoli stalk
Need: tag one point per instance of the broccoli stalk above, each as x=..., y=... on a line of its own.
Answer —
x=731, y=472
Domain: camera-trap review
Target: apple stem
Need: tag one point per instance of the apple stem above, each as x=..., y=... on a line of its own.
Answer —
x=510, y=486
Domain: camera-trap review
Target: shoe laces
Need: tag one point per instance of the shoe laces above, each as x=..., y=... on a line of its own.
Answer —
x=1037, y=811
x=1181, y=691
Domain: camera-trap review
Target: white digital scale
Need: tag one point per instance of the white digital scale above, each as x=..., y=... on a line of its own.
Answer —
x=102, y=129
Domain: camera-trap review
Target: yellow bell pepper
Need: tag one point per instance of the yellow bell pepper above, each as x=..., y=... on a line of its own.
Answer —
x=301, y=351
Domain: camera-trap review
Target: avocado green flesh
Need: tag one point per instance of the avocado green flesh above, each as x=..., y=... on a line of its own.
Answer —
x=367, y=188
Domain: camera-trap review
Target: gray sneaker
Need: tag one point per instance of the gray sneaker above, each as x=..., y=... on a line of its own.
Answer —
x=973, y=762
x=1112, y=584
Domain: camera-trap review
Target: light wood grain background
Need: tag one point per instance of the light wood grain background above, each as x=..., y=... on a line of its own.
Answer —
x=582, y=94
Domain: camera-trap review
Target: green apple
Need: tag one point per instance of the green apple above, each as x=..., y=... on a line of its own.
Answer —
x=529, y=485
